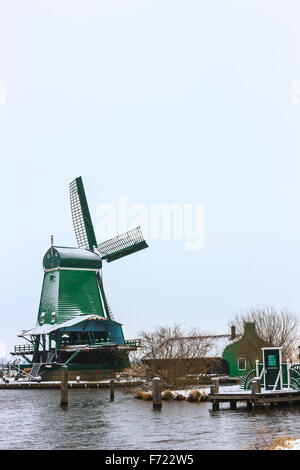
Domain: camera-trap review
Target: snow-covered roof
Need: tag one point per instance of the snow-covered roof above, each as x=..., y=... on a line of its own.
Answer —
x=46, y=328
x=219, y=343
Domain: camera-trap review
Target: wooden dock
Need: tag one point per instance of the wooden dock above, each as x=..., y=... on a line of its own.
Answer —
x=264, y=398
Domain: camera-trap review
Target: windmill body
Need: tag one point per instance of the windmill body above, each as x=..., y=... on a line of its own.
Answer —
x=75, y=325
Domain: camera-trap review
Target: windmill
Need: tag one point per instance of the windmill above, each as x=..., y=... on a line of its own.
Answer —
x=75, y=325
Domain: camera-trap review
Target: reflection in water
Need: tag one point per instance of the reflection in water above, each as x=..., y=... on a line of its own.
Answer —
x=33, y=419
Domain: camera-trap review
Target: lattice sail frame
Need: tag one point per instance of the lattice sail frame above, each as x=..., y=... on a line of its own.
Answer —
x=122, y=245
x=82, y=221
x=110, y=250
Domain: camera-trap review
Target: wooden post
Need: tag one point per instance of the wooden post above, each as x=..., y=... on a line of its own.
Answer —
x=214, y=388
x=64, y=386
x=256, y=385
x=156, y=392
x=215, y=382
x=215, y=405
x=233, y=404
x=112, y=389
x=256, y=367
x=288, y=366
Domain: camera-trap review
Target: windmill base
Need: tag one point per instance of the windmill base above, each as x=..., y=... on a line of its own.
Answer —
x=85, y=375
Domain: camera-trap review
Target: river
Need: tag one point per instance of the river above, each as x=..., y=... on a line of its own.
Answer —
x=33, y=419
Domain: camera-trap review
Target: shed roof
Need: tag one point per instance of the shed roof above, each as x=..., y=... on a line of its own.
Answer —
x=219, y=343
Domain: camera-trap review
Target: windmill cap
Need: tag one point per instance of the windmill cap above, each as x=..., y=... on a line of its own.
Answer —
x=67, y=257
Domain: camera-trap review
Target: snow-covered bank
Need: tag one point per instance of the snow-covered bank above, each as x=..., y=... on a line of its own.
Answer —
x=291, y=444
x=196, y=395
x=192, y=394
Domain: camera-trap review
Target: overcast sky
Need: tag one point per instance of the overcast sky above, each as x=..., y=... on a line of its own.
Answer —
x=167, y=101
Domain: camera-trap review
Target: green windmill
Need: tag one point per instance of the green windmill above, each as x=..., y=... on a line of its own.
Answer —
x=75, y=324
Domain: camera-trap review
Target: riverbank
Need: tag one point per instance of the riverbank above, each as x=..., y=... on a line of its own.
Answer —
x=195, y=394
x=290, y=444
x=191, y=394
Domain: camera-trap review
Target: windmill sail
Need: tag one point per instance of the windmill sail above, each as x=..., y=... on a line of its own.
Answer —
x=122, y=245
x=82, y=221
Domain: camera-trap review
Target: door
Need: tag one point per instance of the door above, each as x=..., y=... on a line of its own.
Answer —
x=272, y=363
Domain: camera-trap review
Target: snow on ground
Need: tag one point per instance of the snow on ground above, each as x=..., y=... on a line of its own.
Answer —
x=206, y=390
x=230, y=388
x=186, y=393
x=290, y=445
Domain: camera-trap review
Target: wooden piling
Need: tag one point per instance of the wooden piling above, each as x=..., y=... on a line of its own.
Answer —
x=214, y=388
x=215, y=382
x=156, y=392
x=253, y=387
x=112, y=390
x=64, y=386
x=215, y=405
x=233, y=404
x=256, y=385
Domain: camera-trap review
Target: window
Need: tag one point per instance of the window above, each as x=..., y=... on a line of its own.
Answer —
x=42, y=318
x=53, y=317
x=101, y=335
x=241, y=364
x=272, y=362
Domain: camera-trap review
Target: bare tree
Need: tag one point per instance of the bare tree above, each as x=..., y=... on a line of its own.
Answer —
x=172, y=353
x=277, y=328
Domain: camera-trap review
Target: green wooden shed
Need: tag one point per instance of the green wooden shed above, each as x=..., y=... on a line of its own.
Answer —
x=241, y=354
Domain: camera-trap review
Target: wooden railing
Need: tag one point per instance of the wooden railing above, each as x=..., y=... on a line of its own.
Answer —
x=24, y=348
x=134, y=343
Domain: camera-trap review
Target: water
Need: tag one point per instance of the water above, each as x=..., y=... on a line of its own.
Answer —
x=33, y=419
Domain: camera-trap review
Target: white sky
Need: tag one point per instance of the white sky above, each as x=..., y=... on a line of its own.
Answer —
x=161, y=101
